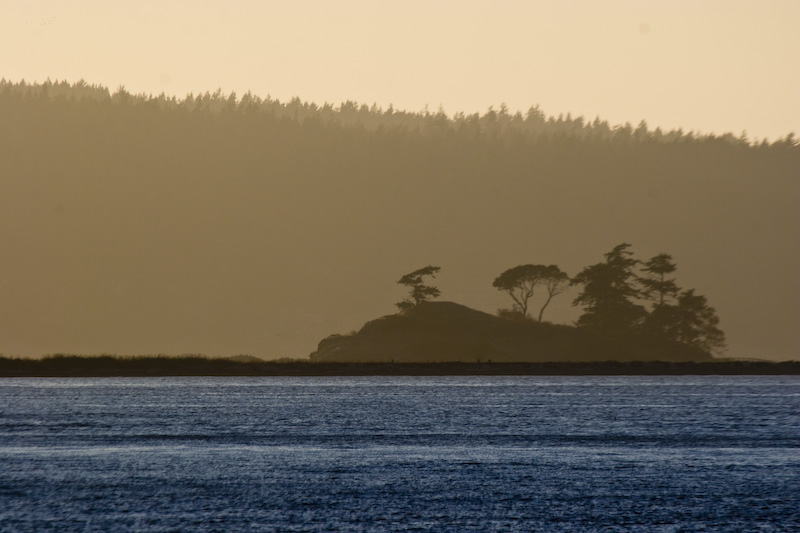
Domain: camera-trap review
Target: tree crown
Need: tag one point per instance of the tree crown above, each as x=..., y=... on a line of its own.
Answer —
x=418, y=291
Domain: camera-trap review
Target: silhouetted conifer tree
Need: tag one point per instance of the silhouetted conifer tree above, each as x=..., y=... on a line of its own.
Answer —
x=609, y=291
x=655, y=281
x=418, y=291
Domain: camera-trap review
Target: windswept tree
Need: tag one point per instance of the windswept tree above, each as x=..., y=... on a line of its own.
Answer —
x=657, y=285
x=677, y=315
x=609, y=293
x=690, y=321
x=612, y=288
x=663, y=291
x=696, y=323
x=521, y=282
x=418, y=291
x=555, y=282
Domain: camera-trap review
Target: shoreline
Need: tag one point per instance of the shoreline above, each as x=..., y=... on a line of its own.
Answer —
x=106, y=366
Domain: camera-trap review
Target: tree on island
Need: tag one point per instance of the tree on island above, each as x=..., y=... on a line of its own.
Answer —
x=662, y=291
x=655, y=281
x=609, y=289
x=696, y=323
x=521, y=281
x=418, y=291
x=555, y=282
x=677, y=315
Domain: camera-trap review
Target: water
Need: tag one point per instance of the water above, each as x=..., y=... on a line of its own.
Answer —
x=675, y=453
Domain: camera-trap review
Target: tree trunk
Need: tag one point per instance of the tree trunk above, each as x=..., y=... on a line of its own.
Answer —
x=541, y=311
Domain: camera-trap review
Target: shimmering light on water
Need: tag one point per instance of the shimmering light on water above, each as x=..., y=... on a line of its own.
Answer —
x=677, y=453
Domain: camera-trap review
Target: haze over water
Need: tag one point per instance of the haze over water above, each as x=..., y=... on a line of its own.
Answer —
x=124, y=233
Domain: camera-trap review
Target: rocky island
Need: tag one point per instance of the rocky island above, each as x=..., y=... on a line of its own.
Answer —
x=439, y=332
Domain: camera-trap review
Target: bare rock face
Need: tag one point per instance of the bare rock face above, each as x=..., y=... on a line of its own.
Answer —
x=449, y=332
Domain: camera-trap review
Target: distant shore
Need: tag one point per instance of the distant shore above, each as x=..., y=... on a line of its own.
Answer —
x=109, y=366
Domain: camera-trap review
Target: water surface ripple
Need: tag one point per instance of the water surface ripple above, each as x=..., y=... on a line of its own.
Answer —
x=595, y=453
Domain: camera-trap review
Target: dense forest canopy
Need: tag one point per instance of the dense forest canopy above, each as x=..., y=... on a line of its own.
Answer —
x=228, y=224
x=517, y=126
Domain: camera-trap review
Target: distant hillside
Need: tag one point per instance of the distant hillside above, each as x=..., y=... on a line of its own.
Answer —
x=531, y=125
x=437, y=332
x=231, y=224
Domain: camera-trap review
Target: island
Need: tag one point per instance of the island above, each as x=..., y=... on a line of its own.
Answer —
x=447, y=332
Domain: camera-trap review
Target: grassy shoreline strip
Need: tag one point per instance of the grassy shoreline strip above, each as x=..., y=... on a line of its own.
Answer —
x=161, y=366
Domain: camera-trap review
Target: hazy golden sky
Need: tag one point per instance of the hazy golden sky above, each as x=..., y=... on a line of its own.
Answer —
x=706, y=65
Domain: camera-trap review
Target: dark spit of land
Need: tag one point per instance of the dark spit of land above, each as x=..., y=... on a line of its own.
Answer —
x=110, y=366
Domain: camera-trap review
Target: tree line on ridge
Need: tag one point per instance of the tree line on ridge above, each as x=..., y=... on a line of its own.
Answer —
x=134, y=223
x=532, y=124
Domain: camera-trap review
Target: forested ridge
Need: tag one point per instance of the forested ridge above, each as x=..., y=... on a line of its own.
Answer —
x=531, y=125
x=225, y=224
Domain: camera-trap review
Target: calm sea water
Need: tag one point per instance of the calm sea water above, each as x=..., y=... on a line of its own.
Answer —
x=683, y=453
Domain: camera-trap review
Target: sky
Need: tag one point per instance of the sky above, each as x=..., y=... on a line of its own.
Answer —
x=711, y=66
